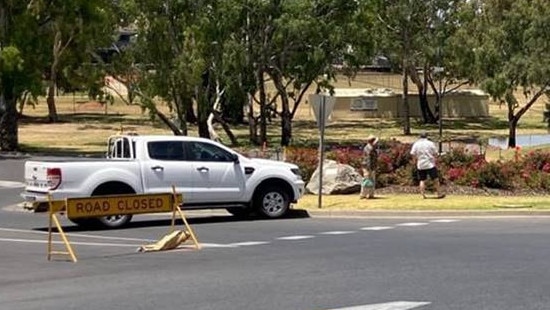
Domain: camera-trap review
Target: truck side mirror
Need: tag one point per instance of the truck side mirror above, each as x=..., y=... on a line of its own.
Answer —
x=235, y=158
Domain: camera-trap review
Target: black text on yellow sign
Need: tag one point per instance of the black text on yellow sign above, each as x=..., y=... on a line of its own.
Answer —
x=113, y=205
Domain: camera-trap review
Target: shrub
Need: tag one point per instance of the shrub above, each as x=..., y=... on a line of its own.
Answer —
x=458, y=166
x=306, y=158
x=537, y=160
x=349, y=156
x=495, y=175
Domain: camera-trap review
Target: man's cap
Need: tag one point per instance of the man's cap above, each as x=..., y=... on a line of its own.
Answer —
x=423, y=134
x=371, y=138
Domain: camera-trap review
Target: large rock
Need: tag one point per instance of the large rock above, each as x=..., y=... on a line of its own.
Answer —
x=337, y=179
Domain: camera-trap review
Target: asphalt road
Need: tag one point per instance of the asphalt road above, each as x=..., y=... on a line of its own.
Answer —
x=299, y=263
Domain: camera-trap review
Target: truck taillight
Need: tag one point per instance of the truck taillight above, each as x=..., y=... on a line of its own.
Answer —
x=53, y=175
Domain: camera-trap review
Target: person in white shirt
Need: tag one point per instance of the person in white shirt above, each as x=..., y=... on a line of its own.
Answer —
x=425, y=153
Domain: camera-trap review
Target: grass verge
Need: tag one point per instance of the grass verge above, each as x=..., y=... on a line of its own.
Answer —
x=409, y=202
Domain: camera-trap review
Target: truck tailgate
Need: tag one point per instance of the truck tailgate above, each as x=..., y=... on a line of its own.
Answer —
x=36, y=176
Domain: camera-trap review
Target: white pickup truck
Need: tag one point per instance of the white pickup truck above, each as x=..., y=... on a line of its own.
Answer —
x=208, y=174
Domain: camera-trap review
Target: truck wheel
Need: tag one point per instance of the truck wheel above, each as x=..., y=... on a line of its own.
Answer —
x=115, y=221
x=272, y=202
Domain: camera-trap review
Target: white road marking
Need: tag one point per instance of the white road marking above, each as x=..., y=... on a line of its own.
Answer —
x=397, y=305
x=213, y=245
x=11, y=184
x=295, y=238
x=337, y=232
x=77, y=235
x=412, y=224
x=444, y=221
x=72, y=242
x=248, y=243
x=204, y=245
x=377, y=228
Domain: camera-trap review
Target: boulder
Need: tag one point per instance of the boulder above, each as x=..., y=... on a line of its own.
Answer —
x=337, y=179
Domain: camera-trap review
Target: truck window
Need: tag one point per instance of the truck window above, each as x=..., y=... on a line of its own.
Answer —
x=120, y=148
x=166, y=150
x=199, y=151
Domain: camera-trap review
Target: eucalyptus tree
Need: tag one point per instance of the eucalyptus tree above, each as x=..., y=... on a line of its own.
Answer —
x=169, y=64
x=307, y=38
x=398, y=22
x=20, y=73
x=417, y=35
x=74, y=27
x=511, y=45
x=222, y=51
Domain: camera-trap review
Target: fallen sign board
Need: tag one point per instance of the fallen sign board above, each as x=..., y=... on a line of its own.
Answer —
x=121, y=204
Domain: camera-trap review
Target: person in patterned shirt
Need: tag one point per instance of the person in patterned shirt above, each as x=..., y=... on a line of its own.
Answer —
x=370, y=157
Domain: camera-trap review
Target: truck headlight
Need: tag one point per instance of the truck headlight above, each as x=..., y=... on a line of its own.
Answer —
x=296, y=172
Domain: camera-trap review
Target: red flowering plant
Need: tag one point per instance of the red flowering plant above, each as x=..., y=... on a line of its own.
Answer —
x=535, y=170
x=347, y=155
x=537, y=160
x=306, y=158
x=460, y=166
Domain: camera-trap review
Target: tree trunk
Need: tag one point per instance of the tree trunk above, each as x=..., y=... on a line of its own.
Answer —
x=226, y=128
x=175, y=130
x=513, y=119
x=263, y=107
x=203, y=127
x=190, y=115
x=50, y=100
x=286, y=127
x=8, y=120
x=252, y=127
x=512, y=125
x=405, y=97
x=286, y=120
x=427, y=115
x=203, y=96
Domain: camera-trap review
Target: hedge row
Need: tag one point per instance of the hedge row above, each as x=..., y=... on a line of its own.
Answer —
x=459, y=166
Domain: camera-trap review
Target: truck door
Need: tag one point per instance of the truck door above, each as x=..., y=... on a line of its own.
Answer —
x=167, y=166
x=216, y=176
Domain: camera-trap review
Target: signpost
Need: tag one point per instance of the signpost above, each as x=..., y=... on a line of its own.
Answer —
x=322, y=106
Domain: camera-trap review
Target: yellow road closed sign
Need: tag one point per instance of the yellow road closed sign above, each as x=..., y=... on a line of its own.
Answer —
x=123, y=204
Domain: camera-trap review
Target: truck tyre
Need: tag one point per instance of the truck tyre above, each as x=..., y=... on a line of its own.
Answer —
x=272, y=202
x=115, y=221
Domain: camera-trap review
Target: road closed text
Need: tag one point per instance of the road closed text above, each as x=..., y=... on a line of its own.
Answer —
x=112, y=205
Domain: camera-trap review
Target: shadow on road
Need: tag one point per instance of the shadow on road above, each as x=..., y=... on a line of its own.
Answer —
x=194, y=220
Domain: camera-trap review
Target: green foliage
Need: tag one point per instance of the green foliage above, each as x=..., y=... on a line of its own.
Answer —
x=458, y=166
x=10, y=60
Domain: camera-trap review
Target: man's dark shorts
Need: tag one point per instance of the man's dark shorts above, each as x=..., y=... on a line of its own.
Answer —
x=424, y=173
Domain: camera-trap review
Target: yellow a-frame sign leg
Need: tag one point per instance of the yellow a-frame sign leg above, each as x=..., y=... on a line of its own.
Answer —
x=52, y=209
x=176, y=208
